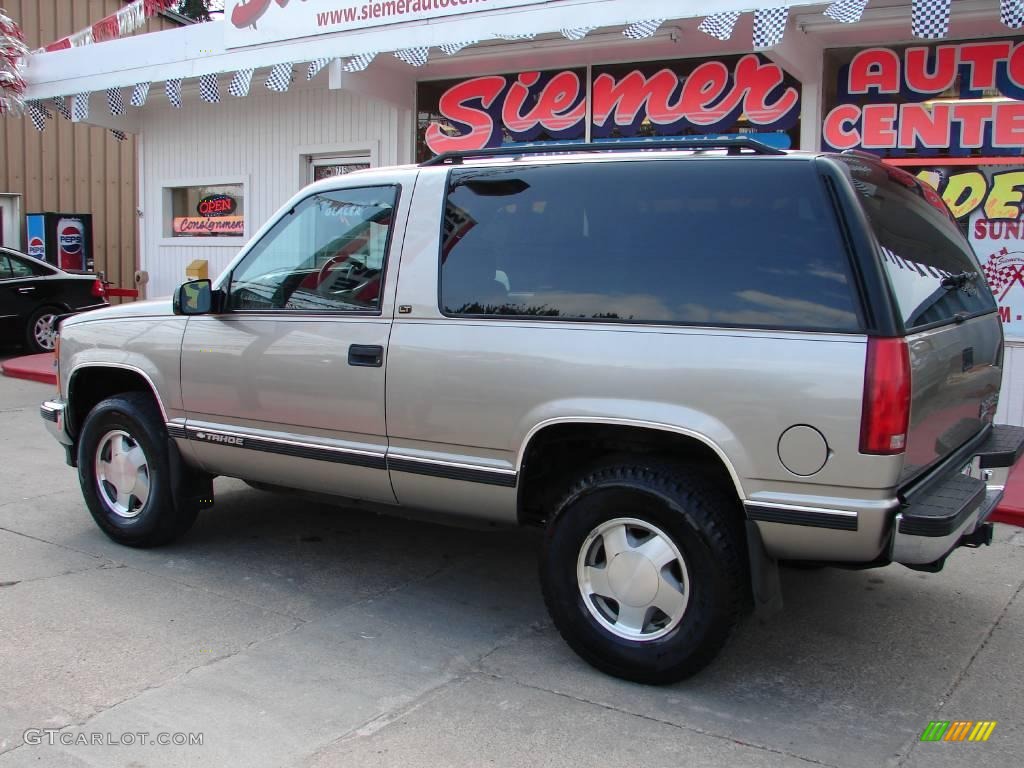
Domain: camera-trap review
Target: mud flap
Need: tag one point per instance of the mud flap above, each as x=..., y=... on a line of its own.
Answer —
x=190, y=487
x=765, y=584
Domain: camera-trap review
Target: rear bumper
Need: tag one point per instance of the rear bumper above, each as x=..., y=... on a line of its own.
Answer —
x=949, y=509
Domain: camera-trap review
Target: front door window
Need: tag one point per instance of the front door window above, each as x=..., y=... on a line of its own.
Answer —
x=327, y=254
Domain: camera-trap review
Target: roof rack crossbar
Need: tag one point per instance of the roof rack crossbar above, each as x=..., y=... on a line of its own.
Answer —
x=734, y=146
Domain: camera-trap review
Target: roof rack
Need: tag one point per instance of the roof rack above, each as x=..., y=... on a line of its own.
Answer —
x=734, y=146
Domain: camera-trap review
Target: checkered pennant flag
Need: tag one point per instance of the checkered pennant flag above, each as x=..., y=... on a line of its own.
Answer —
x=240, y=82
x=119, y=135
x=769, y=26
x=929, y=19
x=576, y=33
x=38, y=114
x=846, y=11
x=280, y=77
x=638, y=30
x=80, y=107
x=359, y=63
x=1001, y=277
x=173, y=90
x=513, y=36
x=415, y=57
x=316, y=67
x=720, y=25
x=139, y=95
x=450, y=49
x=1011, y=13
x=115, y=101
x=60, y=103
x=209, y=89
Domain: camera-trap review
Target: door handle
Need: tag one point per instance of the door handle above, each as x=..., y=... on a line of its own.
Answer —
x=26, y=290
x=366, y=356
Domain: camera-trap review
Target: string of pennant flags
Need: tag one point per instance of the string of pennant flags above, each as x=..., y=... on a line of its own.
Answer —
x=929, y=21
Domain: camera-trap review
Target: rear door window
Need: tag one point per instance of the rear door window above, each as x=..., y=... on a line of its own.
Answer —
x=705, y=241
x=933, y=273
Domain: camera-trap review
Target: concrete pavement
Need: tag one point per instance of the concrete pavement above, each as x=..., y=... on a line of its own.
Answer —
x=293, y=634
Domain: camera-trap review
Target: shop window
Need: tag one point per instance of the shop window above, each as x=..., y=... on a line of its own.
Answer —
x=204, y=210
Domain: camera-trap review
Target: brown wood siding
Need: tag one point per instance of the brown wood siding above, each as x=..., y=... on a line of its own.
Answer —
x=75, y=168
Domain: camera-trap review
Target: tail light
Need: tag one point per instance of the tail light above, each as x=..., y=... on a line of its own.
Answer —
x=98, y=289
x=885, y=416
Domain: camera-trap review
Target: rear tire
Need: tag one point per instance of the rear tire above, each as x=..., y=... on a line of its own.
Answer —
x=666, y=549
x=124, y=471
x=40, y=331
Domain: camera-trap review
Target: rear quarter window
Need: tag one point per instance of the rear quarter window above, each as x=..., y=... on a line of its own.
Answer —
x=689, y=241
x=930, y=266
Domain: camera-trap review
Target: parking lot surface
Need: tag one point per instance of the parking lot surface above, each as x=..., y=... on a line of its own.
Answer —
x=288, y=633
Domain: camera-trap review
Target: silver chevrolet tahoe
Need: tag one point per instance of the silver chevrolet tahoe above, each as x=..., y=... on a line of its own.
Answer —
x=685, y=363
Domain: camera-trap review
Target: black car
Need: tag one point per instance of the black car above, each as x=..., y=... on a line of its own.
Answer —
x=33, y=294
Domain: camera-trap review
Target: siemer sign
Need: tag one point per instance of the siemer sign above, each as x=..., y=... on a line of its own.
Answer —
x=251, y=22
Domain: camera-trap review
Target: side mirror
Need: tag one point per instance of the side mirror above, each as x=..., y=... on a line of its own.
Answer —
x=195, y=297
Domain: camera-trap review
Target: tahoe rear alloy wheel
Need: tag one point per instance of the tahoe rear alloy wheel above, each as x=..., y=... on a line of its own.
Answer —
x=644, y=569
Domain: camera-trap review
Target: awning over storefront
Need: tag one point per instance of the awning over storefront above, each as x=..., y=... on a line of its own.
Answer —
x=300, y=38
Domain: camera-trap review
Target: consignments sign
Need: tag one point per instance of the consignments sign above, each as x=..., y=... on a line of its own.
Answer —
x=251, y=22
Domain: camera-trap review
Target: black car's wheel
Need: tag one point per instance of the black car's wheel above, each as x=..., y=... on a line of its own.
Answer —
x=41, y=330
x=643, y=570
x=124, y=471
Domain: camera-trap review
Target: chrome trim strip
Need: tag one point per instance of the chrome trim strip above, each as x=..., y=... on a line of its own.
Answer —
x=296, y=448
x=451, y=471
x=455, y=464
x=835, y=519
x=126, y=367
x=415, y=465
x=633, y=423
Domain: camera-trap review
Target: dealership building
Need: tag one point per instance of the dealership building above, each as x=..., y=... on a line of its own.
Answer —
x=233, y=116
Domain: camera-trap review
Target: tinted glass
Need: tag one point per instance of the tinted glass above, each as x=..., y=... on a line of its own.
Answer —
x=697, y=241
x=20, y=268
x=932, y=270
x=326, y=255
x=5, y=267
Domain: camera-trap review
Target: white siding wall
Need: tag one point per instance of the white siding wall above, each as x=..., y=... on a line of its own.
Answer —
x=260, y=139
x=1011, y=398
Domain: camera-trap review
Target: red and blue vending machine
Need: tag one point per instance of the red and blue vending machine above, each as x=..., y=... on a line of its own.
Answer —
x=62, y=239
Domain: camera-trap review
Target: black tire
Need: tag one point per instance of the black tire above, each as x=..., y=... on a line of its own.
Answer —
x=159, y=520
x=704, y=523
x=32, y=343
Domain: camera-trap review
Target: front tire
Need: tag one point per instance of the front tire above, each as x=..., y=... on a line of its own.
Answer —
x=643, y=570
x=124, y=471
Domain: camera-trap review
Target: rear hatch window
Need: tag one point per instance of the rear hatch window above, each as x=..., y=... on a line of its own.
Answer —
x=955, y=337
x=934, y=275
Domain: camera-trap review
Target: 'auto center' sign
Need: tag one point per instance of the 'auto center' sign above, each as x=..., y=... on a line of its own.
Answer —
x=251, y=22
x=953, y=98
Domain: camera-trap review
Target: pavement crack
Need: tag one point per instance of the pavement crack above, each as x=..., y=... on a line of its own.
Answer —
x=951, y=688
x=661, y=721
x=83, y=722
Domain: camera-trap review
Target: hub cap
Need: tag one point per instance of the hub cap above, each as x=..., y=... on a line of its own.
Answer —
x=633, y=579
x=122, y=473
x=44, y=333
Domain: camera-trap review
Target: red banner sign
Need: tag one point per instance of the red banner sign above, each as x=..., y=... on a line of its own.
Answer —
x=892, y=101
x=712, y=97
x=200, y=226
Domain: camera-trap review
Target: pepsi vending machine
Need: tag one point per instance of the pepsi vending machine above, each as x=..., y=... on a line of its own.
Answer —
x=62, y=239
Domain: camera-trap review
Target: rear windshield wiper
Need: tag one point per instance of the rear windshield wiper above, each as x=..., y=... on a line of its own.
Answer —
x=955, y=282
